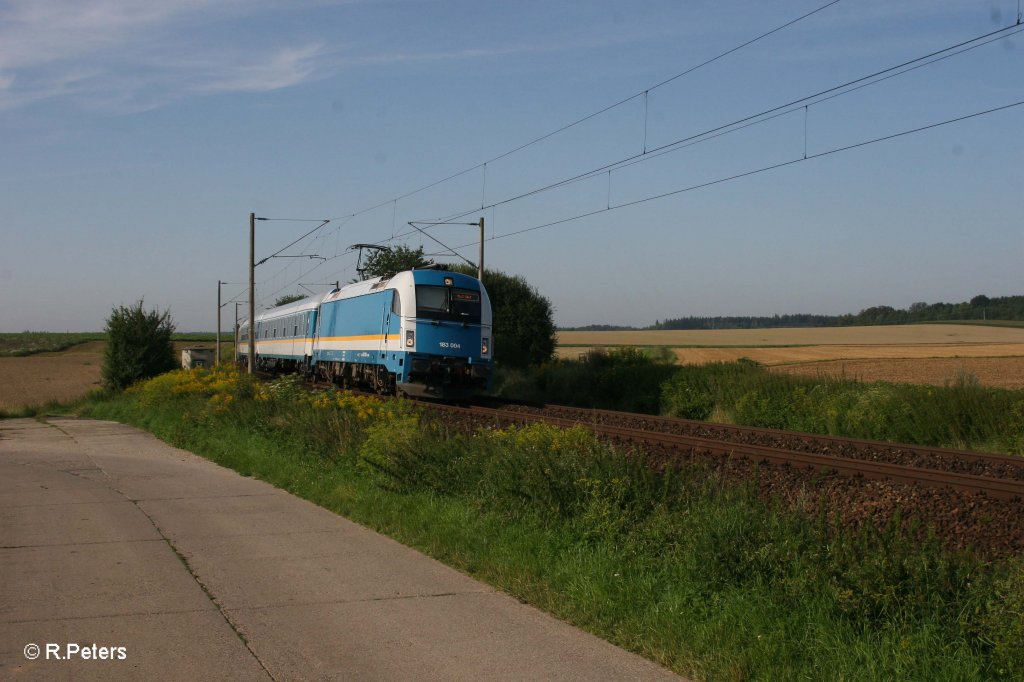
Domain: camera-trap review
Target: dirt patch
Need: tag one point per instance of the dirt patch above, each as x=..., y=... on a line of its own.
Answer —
x=36, y=379
x=66, y=375
x=998, y=372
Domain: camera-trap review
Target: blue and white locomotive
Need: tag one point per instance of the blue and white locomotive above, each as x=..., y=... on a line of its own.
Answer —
x=424, y=333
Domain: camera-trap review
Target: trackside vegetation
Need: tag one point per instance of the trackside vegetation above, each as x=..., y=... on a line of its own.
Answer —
x=961, y=414
x=699, y=575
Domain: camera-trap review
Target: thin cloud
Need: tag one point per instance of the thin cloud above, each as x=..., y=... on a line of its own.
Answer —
x=281, y=68
x=125, y=55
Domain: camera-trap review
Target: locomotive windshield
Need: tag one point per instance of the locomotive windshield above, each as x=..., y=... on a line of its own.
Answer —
x=446, y=303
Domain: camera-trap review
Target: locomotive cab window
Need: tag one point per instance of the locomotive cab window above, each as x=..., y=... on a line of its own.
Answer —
x=447, y=303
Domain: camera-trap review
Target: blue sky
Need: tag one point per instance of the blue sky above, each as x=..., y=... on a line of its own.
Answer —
x=137, y=136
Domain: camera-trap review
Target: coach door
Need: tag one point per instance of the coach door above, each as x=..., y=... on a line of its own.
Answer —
x=391, y=322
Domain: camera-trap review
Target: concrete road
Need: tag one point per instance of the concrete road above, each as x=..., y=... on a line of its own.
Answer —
x=124, y=558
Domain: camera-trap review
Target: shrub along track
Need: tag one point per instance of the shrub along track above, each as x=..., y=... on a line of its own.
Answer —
x=968, y=500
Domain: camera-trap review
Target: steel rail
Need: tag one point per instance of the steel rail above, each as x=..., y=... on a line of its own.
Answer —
x=1002, y=488
x=935, y=478
x=808, y=438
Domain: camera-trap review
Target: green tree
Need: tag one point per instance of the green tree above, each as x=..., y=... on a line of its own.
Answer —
x=524, y=327
x=398, y=259
x=139, y=345
x=288, y=298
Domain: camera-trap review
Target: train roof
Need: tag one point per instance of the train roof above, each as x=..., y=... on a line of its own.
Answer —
x=405, y=278
x=306, y=304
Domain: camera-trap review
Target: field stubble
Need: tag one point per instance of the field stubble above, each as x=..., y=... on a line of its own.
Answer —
x=922, y=354
x=62, y=376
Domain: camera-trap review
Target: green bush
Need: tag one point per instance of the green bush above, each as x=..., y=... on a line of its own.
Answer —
x=139, y=345
x=524, y=327
x=617, y=379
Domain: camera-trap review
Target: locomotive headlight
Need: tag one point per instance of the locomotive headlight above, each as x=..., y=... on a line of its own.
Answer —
x=410, y=339
x=485, y=346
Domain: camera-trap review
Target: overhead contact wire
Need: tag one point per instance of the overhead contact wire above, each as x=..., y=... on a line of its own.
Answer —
x=606, y=109
x=756, y=171
x=768, y=114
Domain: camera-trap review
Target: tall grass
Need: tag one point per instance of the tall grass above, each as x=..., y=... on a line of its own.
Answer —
x=961, y=414
x=701, y=576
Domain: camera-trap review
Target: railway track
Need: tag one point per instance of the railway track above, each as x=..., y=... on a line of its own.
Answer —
x=997, y=476
x=970, y=501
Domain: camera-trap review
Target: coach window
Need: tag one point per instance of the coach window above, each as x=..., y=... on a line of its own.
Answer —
x=396, y=302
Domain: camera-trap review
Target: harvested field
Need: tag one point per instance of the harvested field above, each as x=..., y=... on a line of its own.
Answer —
x=36, y=379
x=65, y=375
x=998, y=372
x=816, y=354
x=896, y=335
x=925, y=354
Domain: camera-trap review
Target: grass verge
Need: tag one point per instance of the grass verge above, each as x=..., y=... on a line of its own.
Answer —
x=702, y=577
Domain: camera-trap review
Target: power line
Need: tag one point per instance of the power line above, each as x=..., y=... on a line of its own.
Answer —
x=579, y=121
x=767, y=114
x=276, y=253
x=584, y=119
x=303, y=275
x=757, y=171
x=336, y=229
x=755, y=119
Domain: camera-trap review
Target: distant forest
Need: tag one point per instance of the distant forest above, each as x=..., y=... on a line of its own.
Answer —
x=978, y=308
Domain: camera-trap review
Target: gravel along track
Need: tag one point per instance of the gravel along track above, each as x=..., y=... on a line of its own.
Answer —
x=966, y=499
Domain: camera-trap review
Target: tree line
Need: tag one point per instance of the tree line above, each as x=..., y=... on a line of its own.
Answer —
x=978, y=308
